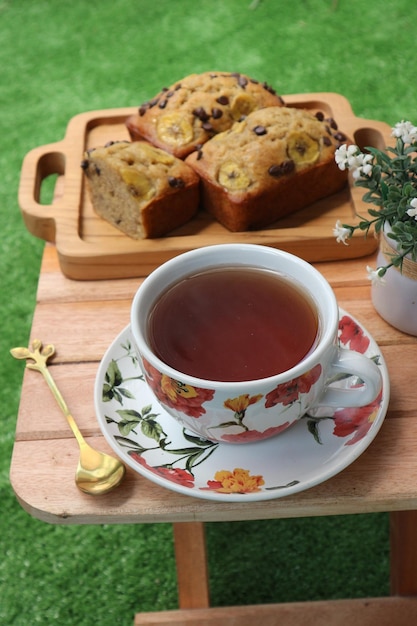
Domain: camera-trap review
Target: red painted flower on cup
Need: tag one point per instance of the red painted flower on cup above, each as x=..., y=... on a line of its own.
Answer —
x=173, y=393
x=352, y=334
x=289, y=392
x=356, y=421
x=174, y=474
x=249, y=436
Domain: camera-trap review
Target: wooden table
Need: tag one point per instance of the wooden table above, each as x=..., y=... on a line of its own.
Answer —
x=81, y=318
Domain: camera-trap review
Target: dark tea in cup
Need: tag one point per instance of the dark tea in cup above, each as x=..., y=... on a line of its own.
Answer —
x=238, y=341
x=233, y=324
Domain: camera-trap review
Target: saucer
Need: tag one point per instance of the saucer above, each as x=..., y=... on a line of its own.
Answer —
x=318, y=446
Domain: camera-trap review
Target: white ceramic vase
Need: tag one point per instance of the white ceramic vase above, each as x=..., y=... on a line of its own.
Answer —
x=395, y=299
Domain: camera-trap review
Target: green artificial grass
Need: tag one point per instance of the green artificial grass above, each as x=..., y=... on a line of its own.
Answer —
x=58, y=59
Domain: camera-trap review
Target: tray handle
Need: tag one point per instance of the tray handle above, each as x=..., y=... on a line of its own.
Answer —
x=366, y=133
x=38, y=164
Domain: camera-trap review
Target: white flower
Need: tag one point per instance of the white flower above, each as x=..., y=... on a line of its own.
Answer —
x=341, y=233
x=374, y=275
x=405, y=131
x=362, y=165
x=344, y=155
x=413, y=212
x=351, y=158
x=367, y=163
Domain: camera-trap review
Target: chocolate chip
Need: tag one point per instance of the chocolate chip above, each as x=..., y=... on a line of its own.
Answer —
x=243, y=81
x=147, y=105
x=327, y=141
x=320, y=116
x=216, y=113
x=340, y=136
x=222, y=100
x=269, y=88
x=201, y=114
x=112, y=143
x=176, y=183
x=275, y=171
x=260, y=130
x=286, y=167
x=98, y=170
x=332, y=123
x=163, y=104
x=84, y=164
x=207, y=126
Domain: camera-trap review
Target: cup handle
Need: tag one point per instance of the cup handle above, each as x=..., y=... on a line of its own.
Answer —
x=353, y=364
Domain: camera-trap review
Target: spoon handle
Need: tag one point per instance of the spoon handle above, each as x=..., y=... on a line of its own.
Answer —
x=62, y=404
x=37, y=360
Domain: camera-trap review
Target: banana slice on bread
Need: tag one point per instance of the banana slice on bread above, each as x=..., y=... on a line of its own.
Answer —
x=141, y=190
x=182, y=117
x=275, y=161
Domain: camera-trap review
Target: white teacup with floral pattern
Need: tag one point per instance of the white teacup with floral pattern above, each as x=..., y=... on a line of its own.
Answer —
x=248, y=411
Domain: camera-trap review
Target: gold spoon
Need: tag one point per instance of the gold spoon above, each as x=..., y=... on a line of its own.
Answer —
x=97, y=472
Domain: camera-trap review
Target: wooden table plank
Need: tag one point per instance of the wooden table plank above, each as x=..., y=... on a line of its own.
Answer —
x=76, y=381
x=376, y=482
x=363, y=612
x=83, y=330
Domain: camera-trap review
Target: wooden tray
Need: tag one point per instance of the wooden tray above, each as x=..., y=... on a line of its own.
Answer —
x=89, y=248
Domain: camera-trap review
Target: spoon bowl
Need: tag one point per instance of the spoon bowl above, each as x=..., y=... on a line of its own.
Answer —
x=97, y=472
x=100, y=478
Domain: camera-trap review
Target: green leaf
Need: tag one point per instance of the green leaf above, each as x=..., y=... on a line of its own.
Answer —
x=126, y=393
x=177, y=451
x=196, y=439
x=107, y=393
x=113, y=374
x=129, y=414
x=127, y=346
x=126, y=426
x=151, y=429
x=192, y=460
x=128, y=443
x=313, y=428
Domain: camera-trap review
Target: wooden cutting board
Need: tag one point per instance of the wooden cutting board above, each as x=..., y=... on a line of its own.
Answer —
x=89, y=248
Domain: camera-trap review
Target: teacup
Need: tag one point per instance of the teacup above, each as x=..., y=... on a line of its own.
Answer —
x=209, y=324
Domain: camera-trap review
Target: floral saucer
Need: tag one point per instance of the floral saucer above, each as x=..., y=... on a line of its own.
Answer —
x=314, y=449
